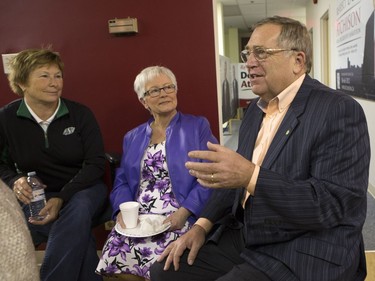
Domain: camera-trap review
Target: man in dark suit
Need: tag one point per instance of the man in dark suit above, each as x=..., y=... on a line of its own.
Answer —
x=291, y=203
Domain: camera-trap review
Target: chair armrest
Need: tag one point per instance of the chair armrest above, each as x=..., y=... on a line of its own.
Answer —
x=113, y=158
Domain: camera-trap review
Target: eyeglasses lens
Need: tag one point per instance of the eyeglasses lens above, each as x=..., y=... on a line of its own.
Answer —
x=169, y=89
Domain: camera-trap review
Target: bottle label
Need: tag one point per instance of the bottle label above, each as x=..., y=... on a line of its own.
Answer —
x=38, y=195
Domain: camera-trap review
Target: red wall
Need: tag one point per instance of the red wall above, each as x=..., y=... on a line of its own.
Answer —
x=100, y=68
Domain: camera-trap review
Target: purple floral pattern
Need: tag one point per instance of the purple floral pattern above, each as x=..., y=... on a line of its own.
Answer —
x=123, y=254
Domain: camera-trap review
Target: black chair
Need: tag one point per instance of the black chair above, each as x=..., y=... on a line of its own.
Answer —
x=106, y=215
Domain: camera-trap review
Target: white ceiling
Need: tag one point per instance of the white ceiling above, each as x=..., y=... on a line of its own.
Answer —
x=243, y=13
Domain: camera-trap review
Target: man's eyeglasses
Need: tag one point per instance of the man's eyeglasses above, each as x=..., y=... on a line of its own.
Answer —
x=261, y=53
x=154, y=92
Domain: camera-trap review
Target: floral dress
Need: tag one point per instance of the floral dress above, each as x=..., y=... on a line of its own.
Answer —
x=122, y=254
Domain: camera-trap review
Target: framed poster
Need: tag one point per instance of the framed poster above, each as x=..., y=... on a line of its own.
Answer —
x=355, y=47
x=245, y=94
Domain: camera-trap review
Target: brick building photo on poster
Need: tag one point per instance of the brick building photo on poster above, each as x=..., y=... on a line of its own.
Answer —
x=355, y=47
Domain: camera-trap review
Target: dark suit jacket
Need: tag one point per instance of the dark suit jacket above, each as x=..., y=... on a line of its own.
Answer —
x=305, y=220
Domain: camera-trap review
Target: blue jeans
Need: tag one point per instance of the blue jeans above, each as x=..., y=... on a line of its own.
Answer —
x=71, y=249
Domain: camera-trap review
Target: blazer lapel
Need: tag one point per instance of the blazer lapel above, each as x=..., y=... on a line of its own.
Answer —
x=246, y=141
x=289, y=123
x=251, y=124
x=249, y=130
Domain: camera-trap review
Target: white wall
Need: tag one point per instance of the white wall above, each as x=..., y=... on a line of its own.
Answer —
x=314, y=13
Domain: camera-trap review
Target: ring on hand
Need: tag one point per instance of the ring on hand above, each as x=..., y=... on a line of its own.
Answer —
x=18, y=192
x=212, y=177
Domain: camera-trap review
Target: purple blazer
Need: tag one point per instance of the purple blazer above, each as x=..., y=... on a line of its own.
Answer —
x=184, y=133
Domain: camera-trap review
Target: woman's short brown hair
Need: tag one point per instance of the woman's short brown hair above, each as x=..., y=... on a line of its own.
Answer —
x=27, y=61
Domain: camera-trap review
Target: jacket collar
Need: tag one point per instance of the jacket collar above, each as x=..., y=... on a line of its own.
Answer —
x=24, y=112
x=171, y=124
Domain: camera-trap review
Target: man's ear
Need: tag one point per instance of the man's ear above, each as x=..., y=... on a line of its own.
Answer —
x=300, y=61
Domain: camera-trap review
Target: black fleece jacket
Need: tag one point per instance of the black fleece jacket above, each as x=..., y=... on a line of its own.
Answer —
x=68, y=158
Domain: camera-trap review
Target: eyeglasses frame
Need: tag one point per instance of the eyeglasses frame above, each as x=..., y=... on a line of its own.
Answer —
x=172, y=86
x=268, y=51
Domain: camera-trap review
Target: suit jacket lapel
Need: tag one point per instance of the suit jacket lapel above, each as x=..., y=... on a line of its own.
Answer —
x=249, y=130
x=251, y=124
x=289, y=123
x=246, y=141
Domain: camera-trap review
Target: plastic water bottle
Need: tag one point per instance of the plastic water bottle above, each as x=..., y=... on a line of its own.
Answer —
x=39, y=198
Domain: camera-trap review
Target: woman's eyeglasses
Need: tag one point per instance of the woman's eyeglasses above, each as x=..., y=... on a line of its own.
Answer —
x=154, y=92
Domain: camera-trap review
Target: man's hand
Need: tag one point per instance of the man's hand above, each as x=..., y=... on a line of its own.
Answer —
x=193, y=240
x=50, y=211
x=225, y=169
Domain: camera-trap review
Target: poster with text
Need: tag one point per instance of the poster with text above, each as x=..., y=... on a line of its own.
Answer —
x=355, y=47
x=245, y=94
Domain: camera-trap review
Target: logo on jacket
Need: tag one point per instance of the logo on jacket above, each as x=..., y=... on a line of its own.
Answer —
x=69, y=131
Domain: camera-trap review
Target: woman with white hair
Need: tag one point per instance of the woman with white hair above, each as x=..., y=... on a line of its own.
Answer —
x=153, y=172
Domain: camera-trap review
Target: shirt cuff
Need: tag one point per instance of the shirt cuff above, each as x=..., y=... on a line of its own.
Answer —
x=205, y=224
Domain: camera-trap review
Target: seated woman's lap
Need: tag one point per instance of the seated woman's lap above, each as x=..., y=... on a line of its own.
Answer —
x=86, y=203
x=76, y=213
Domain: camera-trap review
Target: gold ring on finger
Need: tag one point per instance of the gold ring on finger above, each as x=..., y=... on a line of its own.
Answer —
x=212, y=177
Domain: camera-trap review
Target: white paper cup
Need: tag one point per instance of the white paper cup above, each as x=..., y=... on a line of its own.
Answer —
x=129, y=211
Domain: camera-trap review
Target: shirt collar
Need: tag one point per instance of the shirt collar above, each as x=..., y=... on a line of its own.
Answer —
x=285, y=97
x=36, y=117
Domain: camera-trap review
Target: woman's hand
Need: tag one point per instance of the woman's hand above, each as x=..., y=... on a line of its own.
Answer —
x=50, y=211
x=120, y=221
x=22, y=190
x=178, y=218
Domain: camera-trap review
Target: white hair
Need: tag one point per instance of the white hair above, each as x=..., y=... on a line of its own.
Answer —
x=147, y=75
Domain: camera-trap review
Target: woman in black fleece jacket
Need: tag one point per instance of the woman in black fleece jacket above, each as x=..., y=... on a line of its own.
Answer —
x=61, y=141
